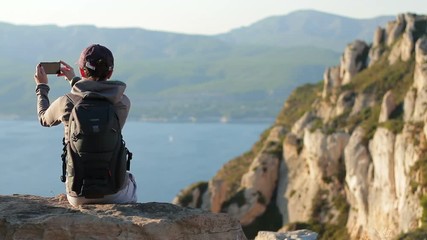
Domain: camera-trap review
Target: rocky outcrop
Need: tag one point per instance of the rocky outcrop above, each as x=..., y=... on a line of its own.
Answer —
x=387, y=107
x=382, y=188
x=409, y=104
x=303, y=123
x=410, y=28
x=353, y=60
x=420, y=81
x=216, y=195
x=345, y=102
x=361, y=102
x=358, y=176
x=378, y=46
x=303, y=172
x=344, y=157
x=379, y=183
x=259, y=183
x=395, y=29
x=295, y=235
x=331, y=82
x=32, y=217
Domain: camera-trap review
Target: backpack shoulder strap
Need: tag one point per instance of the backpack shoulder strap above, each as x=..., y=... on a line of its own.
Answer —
x=74, y=99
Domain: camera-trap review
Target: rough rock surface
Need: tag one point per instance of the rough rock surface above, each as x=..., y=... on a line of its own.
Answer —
x=331, y=81
x=395, y=29
x=387, y=107
x=378, y=183
x=295, y=235
x=260, y=181
x=362, y=101
x=217, y=191
x=302, y=172
x=33, y=217
x=420, y=80
x=353, y=60
x=359, y=171
x=345, y=101
x=302, y=123
x=377, y=48
x=409, y=26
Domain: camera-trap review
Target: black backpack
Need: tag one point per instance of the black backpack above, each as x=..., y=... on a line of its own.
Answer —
x=95, y=158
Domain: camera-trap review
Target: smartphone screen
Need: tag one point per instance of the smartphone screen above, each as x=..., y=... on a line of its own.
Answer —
x=51, y=67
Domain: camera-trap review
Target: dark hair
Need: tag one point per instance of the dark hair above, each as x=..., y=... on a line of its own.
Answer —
x=101, y=70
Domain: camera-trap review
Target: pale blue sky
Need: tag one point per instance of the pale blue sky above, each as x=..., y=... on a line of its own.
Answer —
x=188, y=16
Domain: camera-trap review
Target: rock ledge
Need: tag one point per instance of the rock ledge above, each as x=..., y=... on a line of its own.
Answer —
x=34, y=217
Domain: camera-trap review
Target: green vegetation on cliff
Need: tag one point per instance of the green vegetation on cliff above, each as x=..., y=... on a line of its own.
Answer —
x=299, y=102
x=374, y=81
x=357, y=104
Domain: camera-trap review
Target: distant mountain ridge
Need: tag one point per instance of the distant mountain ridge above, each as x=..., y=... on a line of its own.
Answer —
x=172, y=76
x=306, y=28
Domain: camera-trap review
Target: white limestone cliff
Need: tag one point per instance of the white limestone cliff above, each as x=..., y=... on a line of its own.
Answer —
x=377, y=48
x=303, y=173
x=259, y=183
x=407, y=27
x=370, y=167
x=420, y=81
x=387, y=107
x=353, y=60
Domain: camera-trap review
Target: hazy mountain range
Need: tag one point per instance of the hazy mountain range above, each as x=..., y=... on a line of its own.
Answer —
x=306, y=28
x=244, y=74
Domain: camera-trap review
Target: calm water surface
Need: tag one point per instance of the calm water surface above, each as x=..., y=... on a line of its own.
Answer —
x=167, y=156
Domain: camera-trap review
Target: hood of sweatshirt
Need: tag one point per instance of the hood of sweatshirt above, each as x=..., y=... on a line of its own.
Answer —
x=112, y=90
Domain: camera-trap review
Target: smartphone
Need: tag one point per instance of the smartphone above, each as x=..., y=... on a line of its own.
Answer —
x=51, y=67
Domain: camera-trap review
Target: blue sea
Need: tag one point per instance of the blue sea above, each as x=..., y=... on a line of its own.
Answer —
x=167, y=156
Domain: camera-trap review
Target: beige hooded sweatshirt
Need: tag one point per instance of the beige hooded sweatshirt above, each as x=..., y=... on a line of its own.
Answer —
x=59, y=111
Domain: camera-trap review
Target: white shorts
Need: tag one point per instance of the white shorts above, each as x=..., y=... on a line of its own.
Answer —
x=125, y=195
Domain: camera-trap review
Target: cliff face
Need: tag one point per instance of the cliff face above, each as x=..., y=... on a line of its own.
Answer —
x=351, y=149
x=32, y=217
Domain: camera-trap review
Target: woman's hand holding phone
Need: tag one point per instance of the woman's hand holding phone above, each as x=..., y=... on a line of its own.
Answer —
x=67, y=71
x=40, y=77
